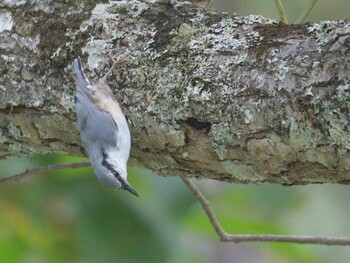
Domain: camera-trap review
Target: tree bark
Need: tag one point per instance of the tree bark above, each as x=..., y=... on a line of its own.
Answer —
x=239, y=99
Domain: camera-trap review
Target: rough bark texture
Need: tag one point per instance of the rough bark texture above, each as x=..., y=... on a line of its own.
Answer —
x=241, y=99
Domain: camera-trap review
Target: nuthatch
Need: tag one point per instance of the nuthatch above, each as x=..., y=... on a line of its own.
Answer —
x=103, y=129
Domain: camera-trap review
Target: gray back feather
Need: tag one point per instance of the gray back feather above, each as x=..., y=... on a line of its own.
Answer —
x=99, y=126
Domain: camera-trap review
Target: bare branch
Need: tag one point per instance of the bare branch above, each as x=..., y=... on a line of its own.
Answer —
x=206, y=206
x=237, y=238
x=283, y=17
x=43, y=169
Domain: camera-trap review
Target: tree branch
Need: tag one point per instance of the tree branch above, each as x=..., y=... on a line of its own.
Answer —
x=238, y=99
x=280, y=8
x=43, y=169
x=237, y=238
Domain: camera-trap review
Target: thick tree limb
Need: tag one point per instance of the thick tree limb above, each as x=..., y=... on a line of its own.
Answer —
x=240, y=99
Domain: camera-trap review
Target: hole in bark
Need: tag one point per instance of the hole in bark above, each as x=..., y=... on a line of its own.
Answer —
x=198, y=125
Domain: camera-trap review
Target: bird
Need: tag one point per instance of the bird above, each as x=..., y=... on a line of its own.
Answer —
x=104, y=131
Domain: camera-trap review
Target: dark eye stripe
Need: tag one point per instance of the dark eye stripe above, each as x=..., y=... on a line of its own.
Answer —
x=111, y=169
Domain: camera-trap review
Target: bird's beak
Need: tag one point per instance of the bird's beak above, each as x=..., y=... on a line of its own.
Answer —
x=128, y=188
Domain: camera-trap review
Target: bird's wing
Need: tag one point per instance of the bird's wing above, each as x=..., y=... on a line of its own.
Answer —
x=98, y=125
x=97, y=122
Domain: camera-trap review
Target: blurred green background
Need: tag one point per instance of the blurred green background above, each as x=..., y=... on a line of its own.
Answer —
x=323, y=10
x=68, y=216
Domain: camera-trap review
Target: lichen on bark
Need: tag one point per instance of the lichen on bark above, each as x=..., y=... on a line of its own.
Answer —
x=208, y=94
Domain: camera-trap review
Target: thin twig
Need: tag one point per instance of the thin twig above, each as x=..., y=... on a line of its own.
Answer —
x=206, y=206
x=306, y=12
x=237, y=238
x=43, y=169
x=283, y=17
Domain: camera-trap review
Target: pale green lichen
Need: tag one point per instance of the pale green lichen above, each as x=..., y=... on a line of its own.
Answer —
x=343, y=93
x=22, y=148
x=130, y=7
x=176, y=137
x=334, y=120
x=66, y=102
x=302, y=135
x=196, y=92
x=307, y=141
x=328, y=31
x=220, y=38
x=249, y=116
x=136, y=120
x=185, y=31
x=27, y=74
x=95, y=47
x=57, y=52
x=220, y=135
x=337, y=131
x=14, y=3
x=53, y=108
x=257, y=19
x=6, y=21
x=241, y=171
x=32, y=43
x=282, y=71
x=14, y=131
x=278, y=65
x=3, y=138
